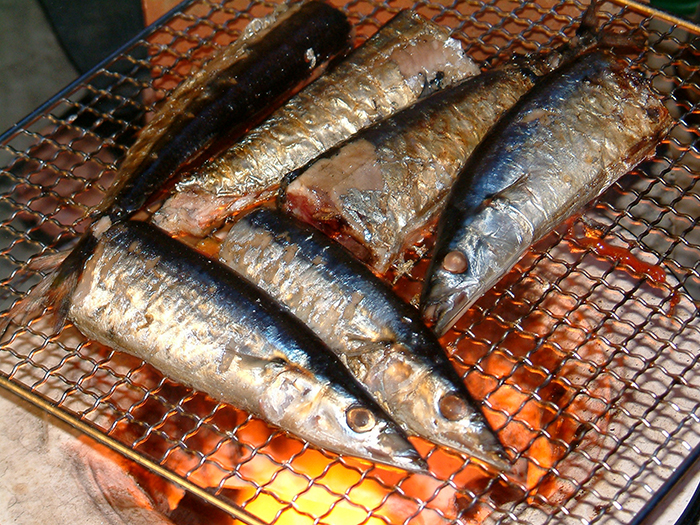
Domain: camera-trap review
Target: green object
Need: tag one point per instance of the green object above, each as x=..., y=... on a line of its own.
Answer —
x=686, y=8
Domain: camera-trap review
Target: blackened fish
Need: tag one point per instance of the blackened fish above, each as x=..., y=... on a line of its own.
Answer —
x=274, y=56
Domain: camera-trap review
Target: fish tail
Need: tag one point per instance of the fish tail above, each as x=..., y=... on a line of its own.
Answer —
x=589, y=20
x=589, y=34
x=53, y=293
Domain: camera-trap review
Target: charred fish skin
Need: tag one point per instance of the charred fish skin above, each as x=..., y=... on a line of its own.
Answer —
x=562, y=145
x=380, y=338
x=199, y=323
x=377, y=192
x=407, y=58
x=271, y=60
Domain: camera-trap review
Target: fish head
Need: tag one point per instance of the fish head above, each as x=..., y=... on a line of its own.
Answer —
x=431, y=400
x=339, y=417
x=452, y=284
x=368, y=433
x=470, y=257
x=426, y=396
x=451, y=418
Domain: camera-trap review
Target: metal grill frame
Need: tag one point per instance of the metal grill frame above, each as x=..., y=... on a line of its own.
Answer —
x=56, y=164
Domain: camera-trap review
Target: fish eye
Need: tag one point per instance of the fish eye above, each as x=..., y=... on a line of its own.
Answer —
x=360, y=419
x=455, y=262
x=453, y=407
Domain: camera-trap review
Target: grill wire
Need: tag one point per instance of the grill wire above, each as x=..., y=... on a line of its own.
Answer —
x=587, y=369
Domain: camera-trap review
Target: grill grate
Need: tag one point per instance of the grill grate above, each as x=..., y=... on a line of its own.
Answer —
x=586, y=367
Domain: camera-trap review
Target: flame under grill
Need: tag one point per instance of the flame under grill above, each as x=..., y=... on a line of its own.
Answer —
x=585, y=356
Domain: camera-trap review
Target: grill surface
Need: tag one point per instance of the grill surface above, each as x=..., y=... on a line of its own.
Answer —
x=586, y=368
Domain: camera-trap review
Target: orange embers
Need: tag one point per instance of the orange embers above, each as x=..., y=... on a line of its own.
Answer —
x=532, y=358
x=273, y=476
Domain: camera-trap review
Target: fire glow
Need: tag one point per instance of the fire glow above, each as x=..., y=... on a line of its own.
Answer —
x=540, y=376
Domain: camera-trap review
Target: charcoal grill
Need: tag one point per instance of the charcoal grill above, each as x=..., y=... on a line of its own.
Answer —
x=586, y=361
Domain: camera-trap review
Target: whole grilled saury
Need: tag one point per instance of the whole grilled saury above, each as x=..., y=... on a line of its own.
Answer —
x=379, y=337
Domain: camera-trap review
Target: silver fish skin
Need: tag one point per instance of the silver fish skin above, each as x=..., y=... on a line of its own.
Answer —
x=199, y=323
x=380, y=338
x=378, y=192
x=562, y=145
x=407, y=58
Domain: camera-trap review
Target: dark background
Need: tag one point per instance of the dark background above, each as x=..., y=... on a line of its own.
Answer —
x=45, y=44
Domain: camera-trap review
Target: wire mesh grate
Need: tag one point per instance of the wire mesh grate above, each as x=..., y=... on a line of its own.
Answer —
x=585, y=360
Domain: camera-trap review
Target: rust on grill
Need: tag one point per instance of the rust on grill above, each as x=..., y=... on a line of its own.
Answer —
x=584, y=356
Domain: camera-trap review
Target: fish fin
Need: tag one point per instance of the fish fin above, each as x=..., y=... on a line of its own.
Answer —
x=54, y=291
x=47, y=263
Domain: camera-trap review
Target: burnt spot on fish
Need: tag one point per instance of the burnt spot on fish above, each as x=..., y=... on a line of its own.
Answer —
x=152, y=263
x=433, y=84
x=654, y=113
x=399, y=371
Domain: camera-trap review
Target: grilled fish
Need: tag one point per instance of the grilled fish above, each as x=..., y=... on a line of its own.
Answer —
x=407, y=58
x=380, y=338
x=234, y=87
x=560, y=146
x=275, y=55
x=377, y=192
x=141, y=292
